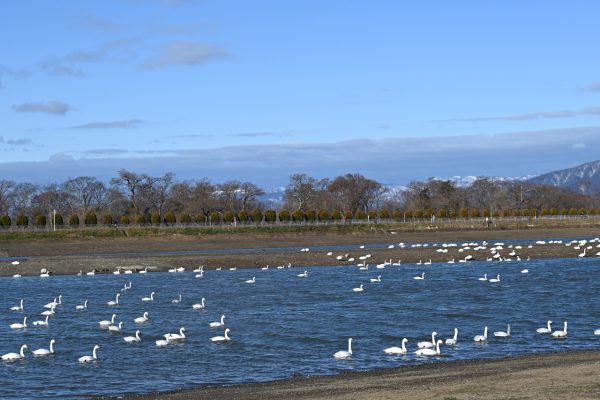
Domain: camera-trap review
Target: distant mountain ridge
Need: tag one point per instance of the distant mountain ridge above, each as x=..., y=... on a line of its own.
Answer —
x=584, y=178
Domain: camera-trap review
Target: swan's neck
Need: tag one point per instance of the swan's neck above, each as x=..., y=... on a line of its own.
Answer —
x=485, y=332
x=94, y=353
x=455, y=334
x=350, y=346
x=51, y=347
x=22, y=352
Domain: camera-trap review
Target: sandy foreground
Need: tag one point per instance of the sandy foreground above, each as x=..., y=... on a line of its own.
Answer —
x=164, y=252
x=569, y=375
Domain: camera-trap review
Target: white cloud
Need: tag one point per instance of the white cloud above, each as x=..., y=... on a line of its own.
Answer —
x=123, y=124
x=186, y=53
x=55, y=107
x=579, y=145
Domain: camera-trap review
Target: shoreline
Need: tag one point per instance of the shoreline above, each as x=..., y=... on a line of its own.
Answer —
x=566, y=375
x=69, y=256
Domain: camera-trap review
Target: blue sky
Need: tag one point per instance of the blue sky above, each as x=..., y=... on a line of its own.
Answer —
x=260, y=89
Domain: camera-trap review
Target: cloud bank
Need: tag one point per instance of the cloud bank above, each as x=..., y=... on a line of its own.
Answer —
x=392, y=160
x=532, y=116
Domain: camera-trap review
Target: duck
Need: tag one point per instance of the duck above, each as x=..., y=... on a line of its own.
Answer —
x=560, y=334
x=18, y=325
x=218, y=324
x=45, y=352
x=175, y=336
x=93, y=357
x=481, y=338
x=198, y=306
x=223, y=338
x=142, y=319
x=343, y=354
x=144, y=271
x=503, y=334
x=133, y=339
x=430, y=352
x=452, y=341
x=548, y=328
x=15, y=356
x=397, y=350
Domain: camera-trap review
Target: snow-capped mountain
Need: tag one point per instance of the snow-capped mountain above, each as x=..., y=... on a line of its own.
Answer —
x=584, y=178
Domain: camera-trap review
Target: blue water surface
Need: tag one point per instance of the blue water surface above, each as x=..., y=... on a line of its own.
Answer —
x=284, y=325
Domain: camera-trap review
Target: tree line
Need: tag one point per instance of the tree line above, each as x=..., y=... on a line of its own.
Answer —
x=134, y=198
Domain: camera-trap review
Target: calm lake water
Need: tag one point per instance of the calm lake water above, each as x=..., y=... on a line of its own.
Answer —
x=284, y=325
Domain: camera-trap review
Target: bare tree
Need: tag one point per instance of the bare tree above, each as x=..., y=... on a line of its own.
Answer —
x=355, y=192
x=300, y=191
x=88, y=191
x=6, y=187
x=248, y=194
x=159, y=191
x=22, y=195
x=131, y=184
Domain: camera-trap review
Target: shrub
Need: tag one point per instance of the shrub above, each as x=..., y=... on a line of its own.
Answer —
x=464, y=213
x=397, y=215
x=125, y=220
x=215, y=217
x=323, y=215
x=419, y=214
x=185, y=218
x=384, y=214
x=284, y=215
x=310, y=215
x=74, y=221
x=270, y=216
x=228, y=217
x=297, y=215
x=441, y=213
x=200, y=218
x=107, y=219
x=372, y=215
x=91, y=219
x=257, y=215
x=336, y=215
x=40, y=220
x=170, y=218
x=348, y=215
x=155, y=218
x=58, y=219
x=243, y=216
x=516, y=213
x=5, y=221
x=474, y=213
x=360, y=215
x=140, y=219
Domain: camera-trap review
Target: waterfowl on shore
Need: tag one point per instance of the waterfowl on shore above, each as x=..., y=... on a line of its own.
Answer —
x=253, y=280
x=151, y=298
x=41, y=323
x=133, y=339
x=495, y=280
x=343, y=354
x=114, y=302
x=104, y=324
x=376, y=280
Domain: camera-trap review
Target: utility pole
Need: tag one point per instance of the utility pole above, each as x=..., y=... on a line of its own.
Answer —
x=54, y=219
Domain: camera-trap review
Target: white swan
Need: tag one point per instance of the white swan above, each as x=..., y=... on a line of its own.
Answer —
x=452, y=341
x=218, y=324
x=91, y=273
x=358, y=289
x=87, y=359
x=420, y=278
x=303, y=274
x=451, y=261
x=597, y=332
x=177, y=301
x=142, y=319
x=496, y=279
x=397, y=350
x=503, y=334
x=19, y=325
x=54, y=303
x=161, y=343
x=133, y=339
x=17, y=308
x=45, y=352
x=560, y=334
x=253, y=280
x=430, y=352
x=198, y=306
x=548, y=329
x=484, y=279
x=224, y=338
x=81, y=306
x=151, y=298
x=376, y=280
x=482, y=338
x=48, y=312
x=175, y=336
x=200, y=275
x=117, y=272
x=104, y=324
x=342, y=354
x=525, y=271
x=114, y=302
x=15, y=356
x=115, y=328
x=144, y=271
x=428, y=345
x=41, y=323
